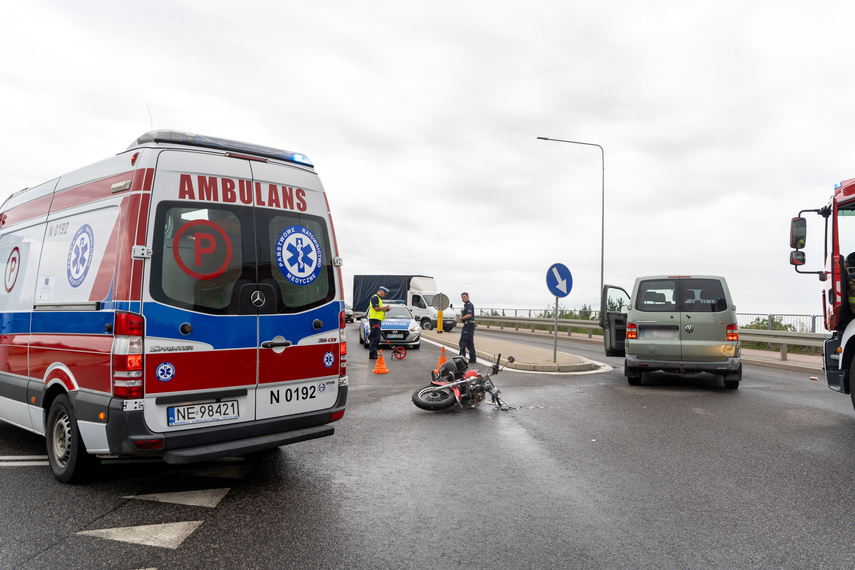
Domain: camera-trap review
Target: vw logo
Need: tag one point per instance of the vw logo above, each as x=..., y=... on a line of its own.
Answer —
x=257, y=299
x=690, y=328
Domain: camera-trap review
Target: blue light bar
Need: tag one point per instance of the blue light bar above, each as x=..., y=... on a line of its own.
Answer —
x=177, y=137
x=838, y=185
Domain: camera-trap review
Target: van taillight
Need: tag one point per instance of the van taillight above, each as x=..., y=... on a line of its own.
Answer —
x=342, y=355
x=631, y=331
x=128, y=356
x=732, y=332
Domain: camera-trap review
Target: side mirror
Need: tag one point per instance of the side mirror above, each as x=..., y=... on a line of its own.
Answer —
x=510, y=359
x=798, y=235
x=797, y=258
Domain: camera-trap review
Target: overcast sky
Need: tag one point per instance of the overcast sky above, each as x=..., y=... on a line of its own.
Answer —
x=720, y=121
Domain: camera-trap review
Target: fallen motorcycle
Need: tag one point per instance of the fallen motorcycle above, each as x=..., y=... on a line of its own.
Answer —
x=454, y=384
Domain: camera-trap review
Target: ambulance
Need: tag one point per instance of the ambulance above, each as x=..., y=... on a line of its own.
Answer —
x=182, y=299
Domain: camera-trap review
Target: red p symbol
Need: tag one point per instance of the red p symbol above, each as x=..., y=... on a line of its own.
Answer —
x=209, y=247
x=204, y=243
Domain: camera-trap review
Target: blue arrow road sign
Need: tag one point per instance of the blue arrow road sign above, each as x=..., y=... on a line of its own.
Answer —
x=559, y=280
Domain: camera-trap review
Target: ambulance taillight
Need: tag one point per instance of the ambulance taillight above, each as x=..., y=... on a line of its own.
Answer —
x=342, y=372
x=128, y=356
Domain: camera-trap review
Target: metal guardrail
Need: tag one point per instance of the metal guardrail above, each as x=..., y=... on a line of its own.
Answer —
x=532, y=323
x=782, y=338
x=802, y=323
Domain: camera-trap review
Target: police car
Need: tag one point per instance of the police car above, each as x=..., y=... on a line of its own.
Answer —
x=399, y=328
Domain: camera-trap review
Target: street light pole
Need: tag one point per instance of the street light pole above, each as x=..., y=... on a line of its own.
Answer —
x=603, y=203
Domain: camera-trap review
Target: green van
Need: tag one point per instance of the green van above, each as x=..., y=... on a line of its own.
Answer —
x=682, y=324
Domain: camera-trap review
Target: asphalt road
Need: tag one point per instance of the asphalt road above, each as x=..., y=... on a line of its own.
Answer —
x=584, y=472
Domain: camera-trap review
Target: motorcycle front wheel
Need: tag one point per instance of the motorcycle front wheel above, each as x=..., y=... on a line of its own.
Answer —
x=428, y=398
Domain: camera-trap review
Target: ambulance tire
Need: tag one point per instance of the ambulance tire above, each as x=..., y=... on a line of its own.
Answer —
x=66, y=453
x=426, y=324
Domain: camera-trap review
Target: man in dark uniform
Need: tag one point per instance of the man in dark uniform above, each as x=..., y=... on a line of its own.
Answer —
x=467, y=335
x=376, y=315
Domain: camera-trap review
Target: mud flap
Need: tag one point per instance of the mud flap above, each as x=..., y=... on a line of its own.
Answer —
x=837, y=380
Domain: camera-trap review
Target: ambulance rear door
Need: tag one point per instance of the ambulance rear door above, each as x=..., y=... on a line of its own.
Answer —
x=200, y=348
x=241, y=300
x=299, y=356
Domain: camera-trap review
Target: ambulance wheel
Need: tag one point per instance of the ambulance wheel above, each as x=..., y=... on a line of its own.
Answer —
x=66, y=453
x=426, y=324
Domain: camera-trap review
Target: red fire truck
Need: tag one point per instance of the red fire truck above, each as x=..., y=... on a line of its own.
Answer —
x=839, y=276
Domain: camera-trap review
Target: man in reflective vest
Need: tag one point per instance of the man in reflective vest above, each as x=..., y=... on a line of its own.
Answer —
x=376, y=316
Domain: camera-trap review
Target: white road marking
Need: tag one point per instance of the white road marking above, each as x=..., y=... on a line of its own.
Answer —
x=22, y=457
x=168, y=535
x=209, y=498
x=23, y=460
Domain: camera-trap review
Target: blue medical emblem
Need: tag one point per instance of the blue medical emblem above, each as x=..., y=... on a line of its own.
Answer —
x=322, y=387
x=298, y=253
x=165, y=372
x=329, y=359
x=80, y=255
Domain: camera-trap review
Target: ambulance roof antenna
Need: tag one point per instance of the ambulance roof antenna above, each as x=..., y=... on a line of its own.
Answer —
x=150, y=120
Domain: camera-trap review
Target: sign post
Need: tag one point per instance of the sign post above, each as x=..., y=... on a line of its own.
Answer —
x=440, y=303
x=559, y=281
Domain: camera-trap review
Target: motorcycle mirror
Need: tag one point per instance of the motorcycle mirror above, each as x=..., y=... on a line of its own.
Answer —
x=510, y=359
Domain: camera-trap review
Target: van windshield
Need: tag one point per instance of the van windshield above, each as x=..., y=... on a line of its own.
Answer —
x=203, y=258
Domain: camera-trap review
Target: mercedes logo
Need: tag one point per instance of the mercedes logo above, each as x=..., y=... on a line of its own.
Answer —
x=690, y=328
x=257, y=299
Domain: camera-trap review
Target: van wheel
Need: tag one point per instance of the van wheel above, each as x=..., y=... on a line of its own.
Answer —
x=633, y=376
x=426, y=324
x=731, y=381
x=66, y=453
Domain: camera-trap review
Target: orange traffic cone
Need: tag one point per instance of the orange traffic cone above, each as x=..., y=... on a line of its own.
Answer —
x=441, y=360
x=380, y=367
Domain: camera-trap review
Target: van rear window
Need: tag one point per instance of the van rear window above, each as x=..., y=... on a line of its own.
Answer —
x=683, y=295
x=203, y=258
x=702, y=296
x=657, y=296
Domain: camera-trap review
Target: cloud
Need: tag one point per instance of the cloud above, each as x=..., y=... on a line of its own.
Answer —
x=719, y=122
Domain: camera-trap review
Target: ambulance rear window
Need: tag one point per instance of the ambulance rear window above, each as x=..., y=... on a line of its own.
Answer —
x=207, y=259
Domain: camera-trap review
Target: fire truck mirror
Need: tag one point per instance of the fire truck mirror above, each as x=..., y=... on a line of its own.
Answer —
x=797, y=258
x=798, y=235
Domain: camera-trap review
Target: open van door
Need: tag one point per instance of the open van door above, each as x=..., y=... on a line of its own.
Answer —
x=613, y=306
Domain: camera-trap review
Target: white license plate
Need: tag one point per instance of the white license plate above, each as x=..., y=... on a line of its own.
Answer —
x=396, y=336
x=295, y=398
x=201, y=413
x=658, y=334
